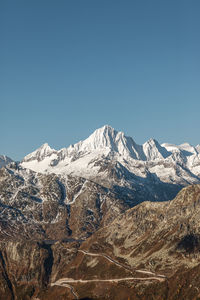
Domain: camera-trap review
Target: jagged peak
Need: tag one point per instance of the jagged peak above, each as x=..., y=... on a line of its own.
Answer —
x=103, y=131
x=40, y=153
x=103, y=137
x=153, y=150
x=152, y=141
x=45, y=147
x=106, y=127
x=108, y=139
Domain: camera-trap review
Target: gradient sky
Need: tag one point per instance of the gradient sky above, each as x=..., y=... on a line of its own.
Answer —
x=69, y=67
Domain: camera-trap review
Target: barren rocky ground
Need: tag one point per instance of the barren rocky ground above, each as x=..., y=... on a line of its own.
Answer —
x=70, y=238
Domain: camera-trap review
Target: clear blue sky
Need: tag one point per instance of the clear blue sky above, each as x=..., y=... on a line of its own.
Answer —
x=69, y=67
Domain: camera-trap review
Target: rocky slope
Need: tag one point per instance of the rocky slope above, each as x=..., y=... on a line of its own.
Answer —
x=158, y=244
x=149, y=252
x=53, y=206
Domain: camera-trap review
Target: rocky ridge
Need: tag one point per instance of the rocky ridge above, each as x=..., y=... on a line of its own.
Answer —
x=149, y=252
x=48, y=206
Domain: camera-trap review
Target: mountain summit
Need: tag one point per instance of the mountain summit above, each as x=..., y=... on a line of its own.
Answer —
x=107, y=138
x=40, y=154
x=153, y=150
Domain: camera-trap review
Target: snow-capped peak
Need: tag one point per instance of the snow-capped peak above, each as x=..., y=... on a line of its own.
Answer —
x=107, y=146
x=101, y=138
x=39, y=154
x=153, y=150
x=107, y=138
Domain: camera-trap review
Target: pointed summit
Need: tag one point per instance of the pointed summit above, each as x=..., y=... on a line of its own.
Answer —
x=103, y=137
x=153, y=150
x=107, y=138
x=40, y=153
x=45, y=150
x=106, y=147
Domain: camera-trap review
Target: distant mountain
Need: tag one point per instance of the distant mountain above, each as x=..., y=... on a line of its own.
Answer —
x=110, y=158
x=4, y=160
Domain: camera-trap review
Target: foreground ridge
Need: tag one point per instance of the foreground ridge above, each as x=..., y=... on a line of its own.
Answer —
x=65, y=235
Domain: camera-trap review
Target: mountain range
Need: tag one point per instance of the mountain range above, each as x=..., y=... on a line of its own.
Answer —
x=109, y=158
x=105, y=218
x=107, y=144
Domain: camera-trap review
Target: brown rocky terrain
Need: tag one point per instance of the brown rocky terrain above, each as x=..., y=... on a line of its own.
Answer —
x=52, y=207
x=159, y=240
x=65, y=237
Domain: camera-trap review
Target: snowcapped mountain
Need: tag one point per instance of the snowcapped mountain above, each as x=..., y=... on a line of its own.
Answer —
x=79, y=158
x=42, y=153
x=153, y=150
x=4, y=160
x=105, y=139
x=111, y=158
x=65, y=214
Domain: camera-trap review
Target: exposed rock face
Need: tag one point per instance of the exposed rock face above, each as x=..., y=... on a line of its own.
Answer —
x=36, y=211
x=27, y=268
x=162, y=238
x=52, y=206
x=166, y=230
x=150, y=251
